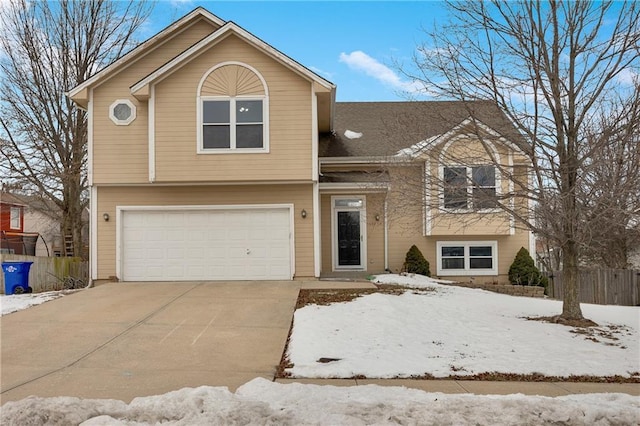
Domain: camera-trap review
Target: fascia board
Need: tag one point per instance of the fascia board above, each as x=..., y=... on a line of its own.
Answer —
x=223, y=32
x=427, y=145
x=360, y=160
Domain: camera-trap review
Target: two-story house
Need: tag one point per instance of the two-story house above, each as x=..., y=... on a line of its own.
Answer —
x=214, y=156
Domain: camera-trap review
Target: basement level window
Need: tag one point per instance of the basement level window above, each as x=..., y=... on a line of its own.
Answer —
x=122, y=112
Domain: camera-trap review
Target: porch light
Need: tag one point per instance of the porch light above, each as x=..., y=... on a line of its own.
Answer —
x=105, y=216
x=303, y=213
x=377, y=218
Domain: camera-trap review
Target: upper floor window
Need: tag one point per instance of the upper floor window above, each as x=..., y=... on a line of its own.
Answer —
x=232, y=124
x=469, y=188
x=233, y=107
x=16, y=218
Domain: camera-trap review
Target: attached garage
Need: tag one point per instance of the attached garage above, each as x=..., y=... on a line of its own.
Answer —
x=196, y=243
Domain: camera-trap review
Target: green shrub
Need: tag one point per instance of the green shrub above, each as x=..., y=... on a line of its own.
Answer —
x=523, y=271
x=415, y=263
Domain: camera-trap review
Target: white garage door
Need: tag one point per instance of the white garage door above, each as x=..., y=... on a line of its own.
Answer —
x=192, y=245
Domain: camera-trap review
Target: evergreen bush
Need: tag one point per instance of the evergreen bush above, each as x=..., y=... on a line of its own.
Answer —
x=415, y=263
x=523, y=271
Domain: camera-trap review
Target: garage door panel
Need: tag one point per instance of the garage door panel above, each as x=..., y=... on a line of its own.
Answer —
x=206, y=244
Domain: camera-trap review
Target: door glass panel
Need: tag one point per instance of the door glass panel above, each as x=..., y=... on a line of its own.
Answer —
x=349, y=238
x=348, y=203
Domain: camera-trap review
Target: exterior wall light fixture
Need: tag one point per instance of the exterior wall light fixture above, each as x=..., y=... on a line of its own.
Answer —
x=105, y=216
x=303, y=213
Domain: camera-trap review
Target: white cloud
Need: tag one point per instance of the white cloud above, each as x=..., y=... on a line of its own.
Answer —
x=321, y=72
x=360, y=61
x=628, y=76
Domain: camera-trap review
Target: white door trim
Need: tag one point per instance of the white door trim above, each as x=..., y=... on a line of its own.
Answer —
x=363, y=232
x=120, y=210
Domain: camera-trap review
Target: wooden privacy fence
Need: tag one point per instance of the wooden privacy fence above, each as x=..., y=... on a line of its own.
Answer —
x=51, y=273
x=602, y=286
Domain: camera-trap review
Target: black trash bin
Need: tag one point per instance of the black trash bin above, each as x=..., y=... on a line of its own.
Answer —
x=16, y=277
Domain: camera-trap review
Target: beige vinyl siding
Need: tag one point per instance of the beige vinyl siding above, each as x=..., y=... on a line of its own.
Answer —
x=289, y=156
x=466, y=224
x=468, y=152
x=406, y=220
x=508, y=246
x=120, y=153
x=326, y=238
x=111, y=197
x=401, y=238
x=375, y=232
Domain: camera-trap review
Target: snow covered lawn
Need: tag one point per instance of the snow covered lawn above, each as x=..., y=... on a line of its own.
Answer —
x=454, y=331
x=443, y=331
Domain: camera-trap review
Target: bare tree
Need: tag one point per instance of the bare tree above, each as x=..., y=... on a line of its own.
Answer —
x=47, y=49
x=553, y=68
x=609, y=190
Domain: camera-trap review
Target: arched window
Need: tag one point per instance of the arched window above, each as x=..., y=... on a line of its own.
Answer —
x=232, y=110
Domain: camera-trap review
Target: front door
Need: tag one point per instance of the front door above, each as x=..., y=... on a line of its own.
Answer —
x=349, y=238
x=349, y=233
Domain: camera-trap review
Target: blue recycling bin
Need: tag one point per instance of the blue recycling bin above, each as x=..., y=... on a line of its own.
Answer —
x=16, y=277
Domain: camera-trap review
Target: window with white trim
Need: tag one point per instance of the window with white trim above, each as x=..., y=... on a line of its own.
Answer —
x=232, y=124
x=122, y=112
x=467, y=258
x=469, y=188
x=233, y=110
x=15, y=218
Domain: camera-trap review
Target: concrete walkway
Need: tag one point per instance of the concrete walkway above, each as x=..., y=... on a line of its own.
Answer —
x=122, y=340
x=483, y=387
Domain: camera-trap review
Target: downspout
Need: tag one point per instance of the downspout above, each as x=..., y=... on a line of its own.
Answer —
x=386, y=235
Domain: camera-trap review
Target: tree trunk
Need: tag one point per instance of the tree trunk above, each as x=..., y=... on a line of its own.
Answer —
x=571, y=282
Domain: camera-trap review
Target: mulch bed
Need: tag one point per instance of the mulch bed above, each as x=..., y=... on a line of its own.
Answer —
x=329, y=296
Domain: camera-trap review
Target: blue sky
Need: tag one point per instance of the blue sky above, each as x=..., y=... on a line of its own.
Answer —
x=352, y=44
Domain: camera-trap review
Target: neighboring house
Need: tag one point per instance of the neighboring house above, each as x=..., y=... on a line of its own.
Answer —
x=11, y=225
x=213, y=156
x=25, y=228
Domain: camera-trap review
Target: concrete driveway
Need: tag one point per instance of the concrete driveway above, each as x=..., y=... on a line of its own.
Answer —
x=122, y=340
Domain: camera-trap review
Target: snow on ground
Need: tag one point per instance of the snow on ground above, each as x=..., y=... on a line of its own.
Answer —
x=382, y=335
x=261, y=402
x=16, y=302
x=446, y=330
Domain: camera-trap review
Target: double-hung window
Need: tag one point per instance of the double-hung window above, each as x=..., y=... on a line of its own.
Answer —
x=467, y=258
x=233, y=124
x=469, y=188
x=15, y=218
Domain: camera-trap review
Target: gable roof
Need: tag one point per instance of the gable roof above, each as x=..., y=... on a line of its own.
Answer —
x=389, y=127
x=8, y=198
x=192, y=17
x=230, y=28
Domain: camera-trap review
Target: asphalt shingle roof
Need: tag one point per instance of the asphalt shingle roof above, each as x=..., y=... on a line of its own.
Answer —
x=388, y=127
